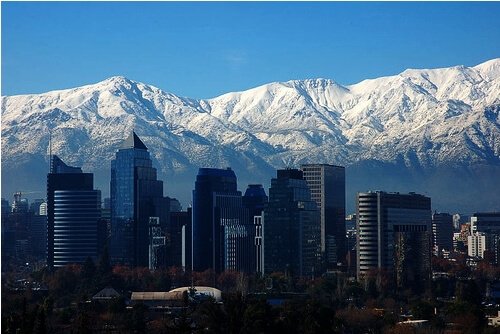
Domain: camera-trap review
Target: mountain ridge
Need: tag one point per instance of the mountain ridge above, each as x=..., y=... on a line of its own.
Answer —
x=419, y=120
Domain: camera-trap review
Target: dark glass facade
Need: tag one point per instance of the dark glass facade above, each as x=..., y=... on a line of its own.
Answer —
x=136, y=195
x=255, y=200
x=489, y=224
x=76, y=234
x=38, y=236
x=327, y=185
x=235, y=242
x=394, y=235
x=291, y=224
x=442, y=233
x=179, y=236
x=70, y=198
x=223, y=236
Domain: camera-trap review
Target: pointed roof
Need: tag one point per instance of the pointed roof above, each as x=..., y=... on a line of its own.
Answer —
x=106, y=293
x=133, y=141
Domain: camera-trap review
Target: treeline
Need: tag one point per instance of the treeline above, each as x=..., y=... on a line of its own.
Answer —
x=274, y=304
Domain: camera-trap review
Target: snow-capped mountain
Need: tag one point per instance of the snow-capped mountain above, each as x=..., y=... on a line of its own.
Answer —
x=418, y=128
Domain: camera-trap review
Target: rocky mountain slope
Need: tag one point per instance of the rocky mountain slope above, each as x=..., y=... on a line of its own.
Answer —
x=408, y=132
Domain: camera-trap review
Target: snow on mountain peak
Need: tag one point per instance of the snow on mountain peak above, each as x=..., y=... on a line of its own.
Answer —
x=423, y=118
x=490, y=69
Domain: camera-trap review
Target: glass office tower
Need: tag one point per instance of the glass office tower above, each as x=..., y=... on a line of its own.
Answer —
x=254, y=200
x=291, y=224
x=327, y=185
x=394, y=235
x=136, y=195
x=442, y=233
x=221, y=235
x=73, y=213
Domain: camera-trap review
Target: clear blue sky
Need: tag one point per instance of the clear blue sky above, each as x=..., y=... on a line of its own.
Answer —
x=202, y=50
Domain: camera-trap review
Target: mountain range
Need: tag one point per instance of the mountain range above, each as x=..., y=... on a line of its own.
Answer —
x=432, y=131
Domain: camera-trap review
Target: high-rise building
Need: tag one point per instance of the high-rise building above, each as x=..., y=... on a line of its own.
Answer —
x=20, y=205
x=327, y=185
x=38, y=232
x=42, y=211
x=393, y=234
x=136, y=195
x=259, y=244
x=73, y=211
x=222, y=235
x=175, y=205
x=237, y=234
x=35, y=205
x=442, y=233
x=179, y=236
x=206, y=229
x=476, y=244
x=255, y=200
x=5, y=207
x=15, y=229
x=8, y=233
x=488, y=223
x=291, y=224
x=350, y=225
x=157, y=244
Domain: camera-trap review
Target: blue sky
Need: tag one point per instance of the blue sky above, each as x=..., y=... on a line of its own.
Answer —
x=202, y=50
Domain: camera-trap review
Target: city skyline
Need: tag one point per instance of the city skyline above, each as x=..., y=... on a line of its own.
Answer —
x=249, y=52
x=253, y=167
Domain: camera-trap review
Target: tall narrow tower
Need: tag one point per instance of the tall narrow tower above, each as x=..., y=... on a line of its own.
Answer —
x=136, y=195
x=291, y=226
x=327, y=185
x=215, y=197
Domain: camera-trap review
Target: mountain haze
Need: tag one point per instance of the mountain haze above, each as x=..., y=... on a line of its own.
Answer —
x=431, y=131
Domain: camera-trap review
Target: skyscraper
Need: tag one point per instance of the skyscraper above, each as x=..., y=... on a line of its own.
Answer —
x=73, y=211
x=291, y=224
x=327, y=185
x=136, y=195
x=476, y=244
x=38, y=232
x=180, y=234
x=442, y=232
x=393, y=234
x=221, y=230
x=488, y=223
x=255, y=200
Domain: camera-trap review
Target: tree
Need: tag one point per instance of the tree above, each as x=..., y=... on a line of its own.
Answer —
x=422, y=310
x=40, y=325
x=139, y=318
x=88, y=269
x=83, y=323
x=211, y=317
x=104, y=268
x=234, y=308
x=359, y=320
x=258, y=318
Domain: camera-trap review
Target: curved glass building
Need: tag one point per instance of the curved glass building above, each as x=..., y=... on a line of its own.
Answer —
x=76, y=215
x=73, y=214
